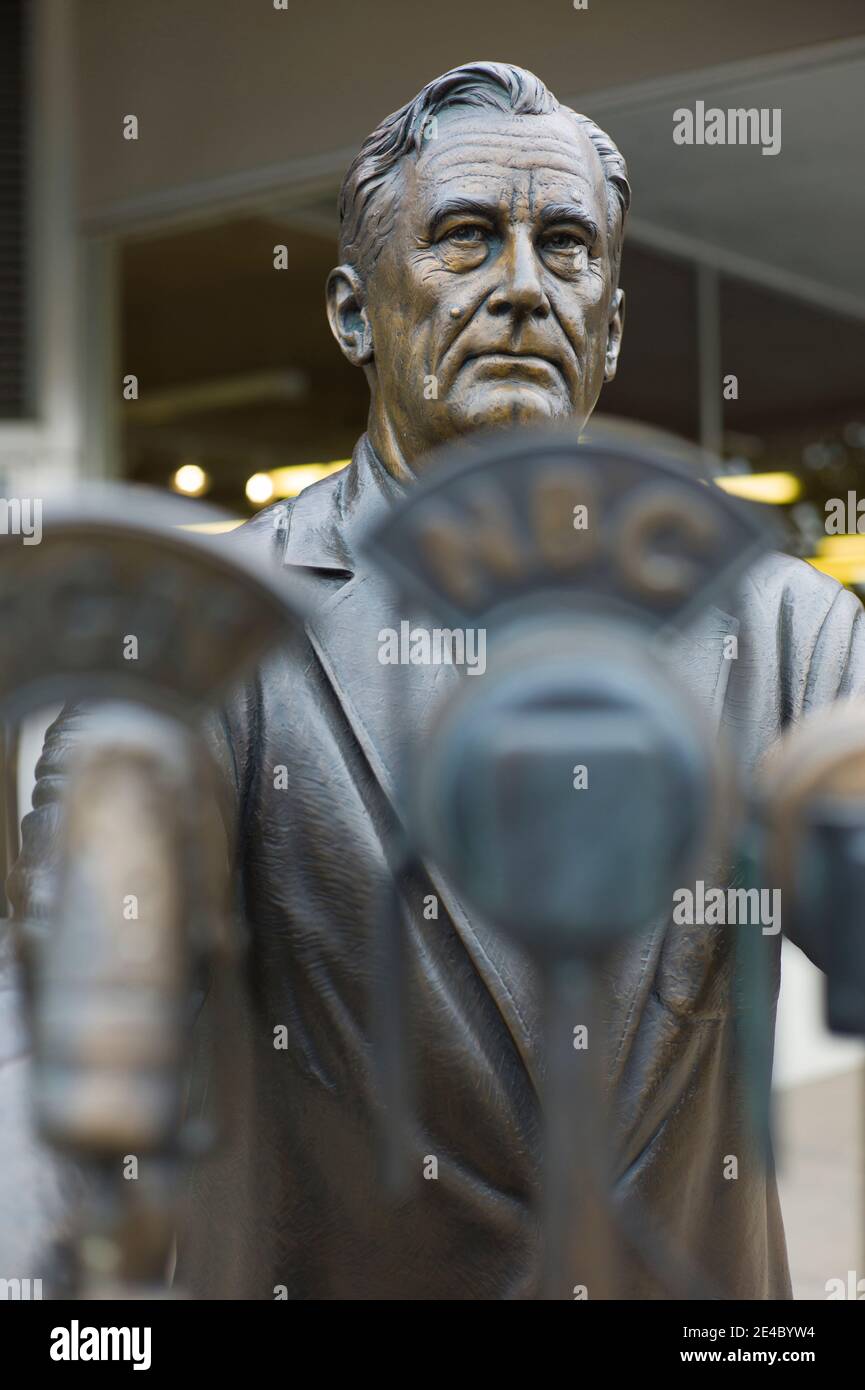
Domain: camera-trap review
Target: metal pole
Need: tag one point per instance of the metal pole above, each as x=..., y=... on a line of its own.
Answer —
x=709, y=363
x=579, y=1237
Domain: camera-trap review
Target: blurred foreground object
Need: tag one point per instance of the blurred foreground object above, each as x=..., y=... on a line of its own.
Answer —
x=811, y=807
x=148, y=626
x=569, y=790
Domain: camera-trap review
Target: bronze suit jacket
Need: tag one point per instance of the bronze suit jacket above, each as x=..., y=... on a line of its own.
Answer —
x=310, y=749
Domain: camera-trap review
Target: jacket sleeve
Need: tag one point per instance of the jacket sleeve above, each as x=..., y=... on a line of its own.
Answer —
x=834, y=670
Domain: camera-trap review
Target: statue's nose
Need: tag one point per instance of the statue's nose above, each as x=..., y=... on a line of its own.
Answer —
x=520, y=290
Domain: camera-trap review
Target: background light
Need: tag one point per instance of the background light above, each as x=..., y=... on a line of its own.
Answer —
x=843, y=557
x=288, y=482
x=776, y=488
x=259, y=488
x=190, y=479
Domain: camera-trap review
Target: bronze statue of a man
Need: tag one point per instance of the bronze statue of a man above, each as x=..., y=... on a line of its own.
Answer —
x=481, y=239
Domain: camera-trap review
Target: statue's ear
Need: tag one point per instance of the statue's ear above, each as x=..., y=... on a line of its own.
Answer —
x=347, y=314
x=614, y=335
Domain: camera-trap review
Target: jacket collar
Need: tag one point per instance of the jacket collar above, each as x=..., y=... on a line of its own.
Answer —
x=327, y=522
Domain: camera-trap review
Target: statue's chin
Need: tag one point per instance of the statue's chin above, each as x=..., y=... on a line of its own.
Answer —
x=508, y=404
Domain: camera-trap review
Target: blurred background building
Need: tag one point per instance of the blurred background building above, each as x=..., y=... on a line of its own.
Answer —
x=193, y=258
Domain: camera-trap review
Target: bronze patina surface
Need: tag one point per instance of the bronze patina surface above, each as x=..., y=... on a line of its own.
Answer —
x=481, y=234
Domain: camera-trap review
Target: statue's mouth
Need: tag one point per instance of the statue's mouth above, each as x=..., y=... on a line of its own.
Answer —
x=499, y=362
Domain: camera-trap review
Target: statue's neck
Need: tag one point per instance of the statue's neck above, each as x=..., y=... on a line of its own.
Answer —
x=388, y=447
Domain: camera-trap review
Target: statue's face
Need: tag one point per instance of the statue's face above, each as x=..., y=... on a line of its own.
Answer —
x=491, y=301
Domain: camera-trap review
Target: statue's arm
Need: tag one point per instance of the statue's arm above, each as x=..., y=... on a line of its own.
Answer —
x=832, y=668
x=835, y=667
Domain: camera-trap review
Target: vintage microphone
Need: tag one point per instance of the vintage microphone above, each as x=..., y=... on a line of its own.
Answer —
x=579, y=562
x=145, y=627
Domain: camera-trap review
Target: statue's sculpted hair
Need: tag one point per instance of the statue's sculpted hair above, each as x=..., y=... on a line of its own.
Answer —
x=368, y=196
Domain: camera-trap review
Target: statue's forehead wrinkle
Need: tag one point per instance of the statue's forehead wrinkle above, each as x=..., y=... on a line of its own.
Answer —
x=496, y=164
x=477, y=172
x=548, y=181
x=506, y=154
x=526, y=138
x=500, y=148
x=508, y=150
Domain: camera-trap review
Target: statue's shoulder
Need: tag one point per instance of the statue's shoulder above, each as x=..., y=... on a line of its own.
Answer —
x=300, y=530
x=783, y=586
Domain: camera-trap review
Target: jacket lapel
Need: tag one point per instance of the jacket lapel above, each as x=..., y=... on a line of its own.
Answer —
x=389, y=706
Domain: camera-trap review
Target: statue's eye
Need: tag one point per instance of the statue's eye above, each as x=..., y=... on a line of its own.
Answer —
x=467, y=234
x=563, y=241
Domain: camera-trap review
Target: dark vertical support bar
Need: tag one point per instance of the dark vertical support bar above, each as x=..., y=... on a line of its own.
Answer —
x=391, y=1037
x=9, y=809
x=5, y=858
x=709, y=364
x=755, y=1032
x=579, y=1236
x=391, y=1032
x=12, y=809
